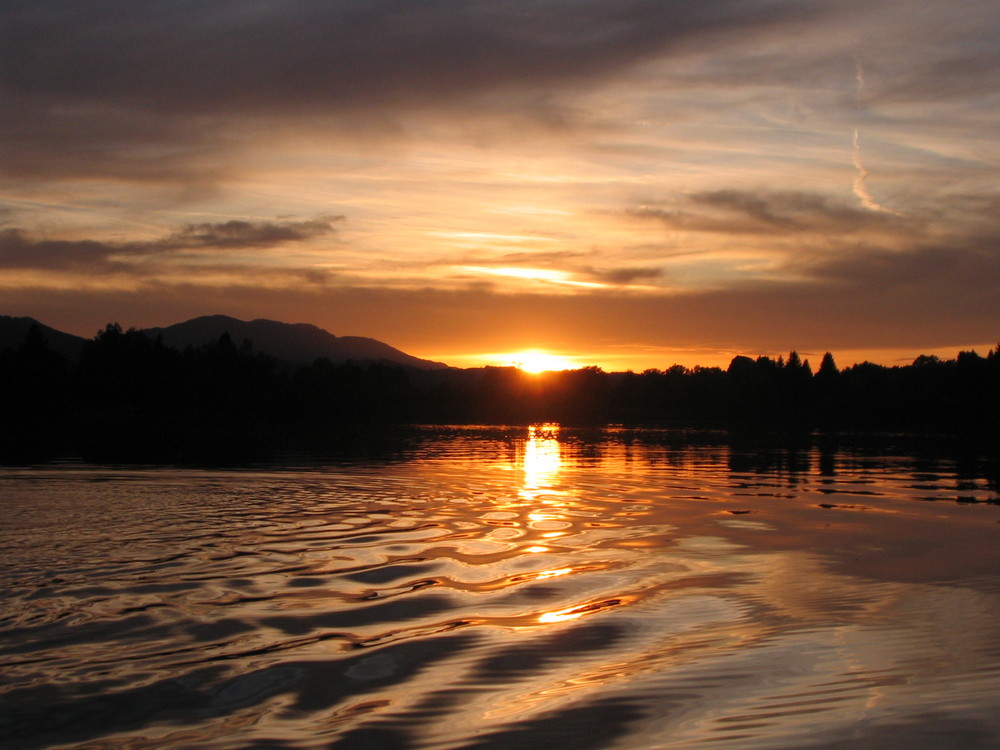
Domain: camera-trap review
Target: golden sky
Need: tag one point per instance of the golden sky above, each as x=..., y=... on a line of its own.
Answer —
x=629, y=184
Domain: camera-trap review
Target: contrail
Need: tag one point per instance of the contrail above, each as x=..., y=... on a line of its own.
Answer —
x=859, y=76
x=860, y=188
x=861, y=178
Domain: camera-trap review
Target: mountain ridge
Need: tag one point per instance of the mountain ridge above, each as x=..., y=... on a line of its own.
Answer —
x=13, y=331
x=297, y=343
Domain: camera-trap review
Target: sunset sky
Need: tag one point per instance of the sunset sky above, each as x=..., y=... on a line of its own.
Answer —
x=630, y=183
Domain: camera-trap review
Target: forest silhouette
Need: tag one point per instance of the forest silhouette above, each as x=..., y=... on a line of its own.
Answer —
x=129, y=397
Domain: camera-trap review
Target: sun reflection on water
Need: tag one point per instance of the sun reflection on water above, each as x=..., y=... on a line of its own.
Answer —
x=548, y=511
x=554, y=573
x=561, y=616
x=529, y=592
x=542, y=460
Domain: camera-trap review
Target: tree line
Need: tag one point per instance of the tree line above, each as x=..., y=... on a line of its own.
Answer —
x=131, y=397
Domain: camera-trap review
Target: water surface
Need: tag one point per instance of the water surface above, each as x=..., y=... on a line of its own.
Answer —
x=505, y=588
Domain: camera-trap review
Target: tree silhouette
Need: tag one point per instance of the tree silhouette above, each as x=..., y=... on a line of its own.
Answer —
x=130, y=397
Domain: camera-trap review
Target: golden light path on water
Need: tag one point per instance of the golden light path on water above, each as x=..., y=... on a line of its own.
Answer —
x=505, y=587
x=542, y=460
x=708, y=622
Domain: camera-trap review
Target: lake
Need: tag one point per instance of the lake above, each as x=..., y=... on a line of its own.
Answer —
x=507, y=588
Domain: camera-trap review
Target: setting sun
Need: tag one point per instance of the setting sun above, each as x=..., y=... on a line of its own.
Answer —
x=536, y=361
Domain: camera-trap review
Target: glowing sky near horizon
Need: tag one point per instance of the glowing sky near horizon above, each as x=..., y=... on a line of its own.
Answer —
x=629, y=184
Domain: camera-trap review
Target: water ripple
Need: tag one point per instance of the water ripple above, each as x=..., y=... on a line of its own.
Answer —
x=498, y=590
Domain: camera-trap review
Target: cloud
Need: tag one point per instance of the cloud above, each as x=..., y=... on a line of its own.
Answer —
x=242, y=235
x=443, y=125
x=804, y=241
x=625, y=276
x=161, y=91
x=20, y=250
x=935, y=270
x=303, y=55
x=168, y=92
x=764, y=213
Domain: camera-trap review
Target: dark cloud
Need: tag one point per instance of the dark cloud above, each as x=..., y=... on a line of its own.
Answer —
x=956, y=57
x=119, y=88
x=304, y=54
x=958, y=269
x=911, y=52
x=824, y=246
x=625, y=275
x=18, y=249
x=246, y=234
x=769, y=213
x=172, y=91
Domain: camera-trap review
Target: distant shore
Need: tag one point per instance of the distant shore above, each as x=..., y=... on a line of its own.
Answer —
x=131, y=397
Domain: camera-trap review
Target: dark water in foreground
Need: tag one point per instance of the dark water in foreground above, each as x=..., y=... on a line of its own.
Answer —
x=491, y=590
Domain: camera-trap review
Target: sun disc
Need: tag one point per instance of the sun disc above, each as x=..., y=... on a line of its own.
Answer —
x=536, y=361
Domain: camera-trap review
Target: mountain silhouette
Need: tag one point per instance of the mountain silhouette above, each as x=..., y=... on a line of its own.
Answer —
x=14, y=330
x=298, y=343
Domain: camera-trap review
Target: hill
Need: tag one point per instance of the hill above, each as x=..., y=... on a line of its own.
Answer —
x=13, y=330
x=298, y=343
